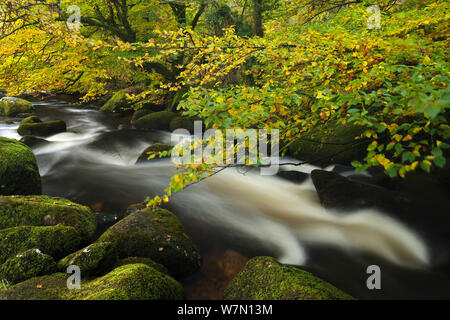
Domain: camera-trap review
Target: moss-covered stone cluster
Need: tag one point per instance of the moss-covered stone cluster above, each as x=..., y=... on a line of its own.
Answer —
x=11, y=106
x=263, y=278
x=156, y=234
x=19, y=173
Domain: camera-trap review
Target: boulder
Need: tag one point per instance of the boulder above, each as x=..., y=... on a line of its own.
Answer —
x=19, y=173
x=331, y=143
x=95, y=259
x=156, y=234
x=157, y=147
x=56, y=241
x=131, y=282
x=11, y=106
x=46, y=211
x=32, y=127
x=338, y=192
x=182, y=123
x=139, y=114
x=34, y=142
x=155, y=121
x=293, y=176
x=263, y=278
x=26, y=265
x=49, y=287
x=146, y=261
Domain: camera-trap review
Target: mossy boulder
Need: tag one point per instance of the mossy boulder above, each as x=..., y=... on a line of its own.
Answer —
x=11, y=106
x=330, y=143
x=155, y=121
x=95, y=259
x=19, y=173
x=146, y=261
x=49, y=287
x=157, y=147
x=116, y=102
x=131, y=282
x=156, y=234
x=140, y=113
x=182, y=123
x=56, y=241
x=26, y=265
x=46, y=211
x=44, y=129
x=263, y=278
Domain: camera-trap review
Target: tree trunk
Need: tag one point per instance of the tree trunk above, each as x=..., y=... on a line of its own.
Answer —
x=258, y=29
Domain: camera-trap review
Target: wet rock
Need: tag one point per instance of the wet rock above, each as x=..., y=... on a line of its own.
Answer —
x=330, y=144
x=155, y=121
x=263, y=278
x=338, y=192
x=293, y=176
x=95, y=259
x=19, y=173
x=11, y=106
x=34, y=142
x=156, y=234
x=26, y=265
x=140, y=113
x=157, y=147
x=33, y=126
x=56, y=241
x=131, y=282
x=46, y=211
x=146, y=261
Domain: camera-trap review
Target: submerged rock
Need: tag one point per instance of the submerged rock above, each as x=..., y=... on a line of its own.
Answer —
x=155, y=121
x=11, y=106
x=46, y=211
x=56, y=241
x=26, y=265
x=146, y=261
x=34, y=142
x=131, y=282
x=331, y=143
x=95, y=259
x=293, y=176
x=157, y=147
x=33, y=126
x=19, y=173
x=263, y=278
x=156, y=234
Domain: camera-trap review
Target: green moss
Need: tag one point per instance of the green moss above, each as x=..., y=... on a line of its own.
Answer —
x=182, y=123
x=41, y=128
x=95, y=259
x=50, y=287
x=140, y=113
x=146, y=261
x=116, y=102
x=10, y=106
x=26, y=265
x=263, y=278
x=131, y=282
x=31, y=119
x=156, y=234
x=46, y=211
x=56, y=241
x=331, y=143
x=155, y=121
x=19, y=173
x=157, y=147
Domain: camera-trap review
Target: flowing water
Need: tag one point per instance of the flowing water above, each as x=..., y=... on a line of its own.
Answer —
x=94, y=164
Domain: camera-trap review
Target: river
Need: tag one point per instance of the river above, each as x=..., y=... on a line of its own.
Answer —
x=93, y=163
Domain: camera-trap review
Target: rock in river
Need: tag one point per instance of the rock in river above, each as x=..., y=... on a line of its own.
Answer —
x=11, y=106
